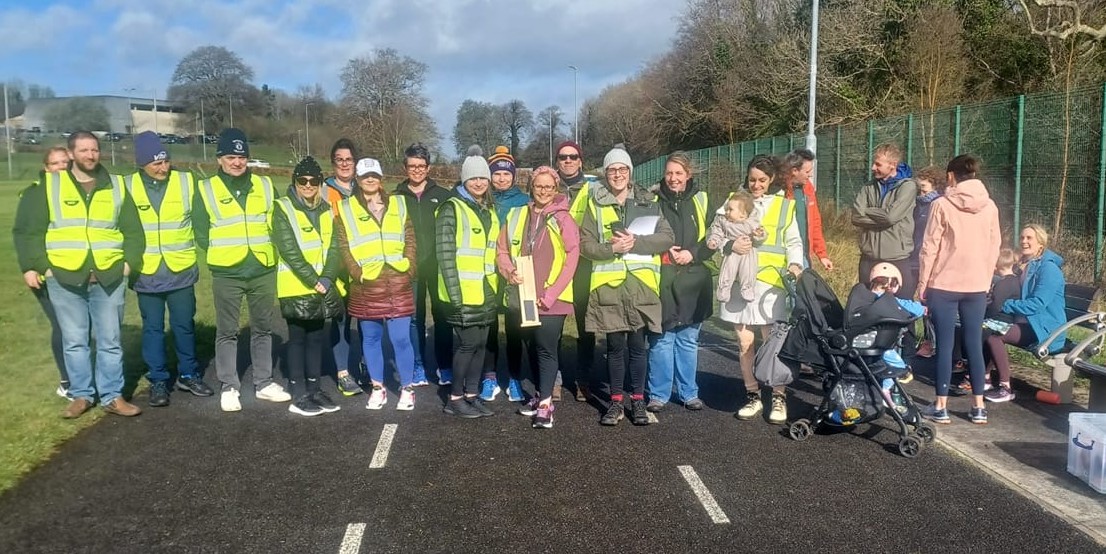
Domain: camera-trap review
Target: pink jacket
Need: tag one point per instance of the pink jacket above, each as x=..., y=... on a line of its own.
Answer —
x=961, y=242
x=543, y=254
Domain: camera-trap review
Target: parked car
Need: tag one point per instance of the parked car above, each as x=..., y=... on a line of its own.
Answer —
x=261, y=164
x=211, y=139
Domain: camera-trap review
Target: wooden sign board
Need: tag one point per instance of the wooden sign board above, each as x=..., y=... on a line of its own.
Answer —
x=527, y=291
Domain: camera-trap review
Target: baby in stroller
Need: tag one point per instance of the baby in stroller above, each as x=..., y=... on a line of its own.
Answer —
x=885, y=278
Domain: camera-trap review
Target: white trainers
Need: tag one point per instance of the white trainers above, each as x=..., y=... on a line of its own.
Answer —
x=377, y=399
x=778, y=414
x=273, y=393
x=753, y=406
x=228, y=401
x=406, y=400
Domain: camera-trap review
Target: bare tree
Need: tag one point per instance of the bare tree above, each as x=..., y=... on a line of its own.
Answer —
x=517, y=120
x=935, y=65
x=219, y=79
x=477, y=123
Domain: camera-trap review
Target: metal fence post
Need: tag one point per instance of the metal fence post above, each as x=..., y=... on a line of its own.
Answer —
x=910, y=139
x=956, y=131
x=1101, y=191
x=790, y=143
x=871, y=146
x=837, y=169
x=1018, y=167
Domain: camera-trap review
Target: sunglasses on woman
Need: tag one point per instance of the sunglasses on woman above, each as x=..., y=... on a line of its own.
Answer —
x=307, y=181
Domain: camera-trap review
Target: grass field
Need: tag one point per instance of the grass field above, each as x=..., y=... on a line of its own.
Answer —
x=30, y=411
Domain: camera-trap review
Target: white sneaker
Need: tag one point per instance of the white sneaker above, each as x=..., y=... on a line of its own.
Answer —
x=778, y=414
x=63, y=392
x=406, y=400
x=273, y=393
x=228, y=401
x=377, y=399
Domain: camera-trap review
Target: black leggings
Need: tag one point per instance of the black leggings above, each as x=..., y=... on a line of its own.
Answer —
x=513, y=324
x=543, y=344
x=469, y=348
x=303, y=355
x=627, y=350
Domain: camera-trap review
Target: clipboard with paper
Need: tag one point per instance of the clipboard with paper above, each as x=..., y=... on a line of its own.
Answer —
x=641, y=225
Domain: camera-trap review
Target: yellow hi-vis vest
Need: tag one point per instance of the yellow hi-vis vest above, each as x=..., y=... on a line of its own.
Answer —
x=314, y=244
x=77, y=230
x=236, y=232
x=518, y=220
x=700, y=201
x=373, y=243
x=475, y=255
x=613, y=272
x=772, y=255
x=168, y=229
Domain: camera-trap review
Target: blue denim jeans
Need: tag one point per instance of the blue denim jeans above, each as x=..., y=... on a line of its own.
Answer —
x=347, y=351
x=674, y=353
x=182, y=313
x=78, y=309
x=372, y=333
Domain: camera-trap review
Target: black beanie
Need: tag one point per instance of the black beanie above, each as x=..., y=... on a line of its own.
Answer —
x=232, y=142
x=308, y=167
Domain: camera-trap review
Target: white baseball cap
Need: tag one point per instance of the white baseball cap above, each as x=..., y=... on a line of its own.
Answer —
x=366, y=166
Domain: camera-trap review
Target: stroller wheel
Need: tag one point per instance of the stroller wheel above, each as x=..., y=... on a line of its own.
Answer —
x=926, y=431
x=800, y=430
x=910, y=446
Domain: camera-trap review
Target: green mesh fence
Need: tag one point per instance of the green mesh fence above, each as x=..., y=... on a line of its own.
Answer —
x=1043, y=155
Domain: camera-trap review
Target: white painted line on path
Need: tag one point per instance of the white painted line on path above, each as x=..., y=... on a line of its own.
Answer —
x=380, y=457
x=705, y=497
x=351, y=543
x=652, y=417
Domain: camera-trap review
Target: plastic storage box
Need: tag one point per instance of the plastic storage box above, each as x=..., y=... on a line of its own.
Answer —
x=1087, y=448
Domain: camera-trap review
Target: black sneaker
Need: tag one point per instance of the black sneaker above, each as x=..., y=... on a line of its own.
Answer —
x=615, y=413
x=159, y=394
x=194, y=385
x=638, y=415
x=304, y=406
x=460, y=408
x=324, y=402
x=479, y=406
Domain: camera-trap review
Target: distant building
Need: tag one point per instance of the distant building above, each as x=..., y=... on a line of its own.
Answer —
x=128, y=115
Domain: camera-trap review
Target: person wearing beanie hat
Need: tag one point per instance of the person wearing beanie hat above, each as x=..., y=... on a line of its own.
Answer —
x=630, y=291
x=577, y=186
x=618, y=155
x=231, y=218
x=467, y=229
x=424, y=196
x=309, y=262
x=169, y=269
x=506, y=196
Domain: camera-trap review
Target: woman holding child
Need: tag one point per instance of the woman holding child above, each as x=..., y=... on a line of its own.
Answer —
x=780, y=251
x=685, y=288
x=959, y=250
x=1036, y=314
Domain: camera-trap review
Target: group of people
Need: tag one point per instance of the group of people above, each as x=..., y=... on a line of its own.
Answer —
x=349, y=262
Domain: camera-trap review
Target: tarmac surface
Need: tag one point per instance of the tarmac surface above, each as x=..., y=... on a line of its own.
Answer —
x=189, y=478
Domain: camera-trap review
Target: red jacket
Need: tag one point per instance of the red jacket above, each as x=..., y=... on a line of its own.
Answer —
x=813, y=221
x=391, y=294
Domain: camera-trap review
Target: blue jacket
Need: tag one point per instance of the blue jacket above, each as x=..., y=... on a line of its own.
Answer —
x=510, y=198
x=1042, y=301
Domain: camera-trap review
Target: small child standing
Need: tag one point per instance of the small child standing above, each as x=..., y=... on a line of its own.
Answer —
x=885, y=278
x=737, y=269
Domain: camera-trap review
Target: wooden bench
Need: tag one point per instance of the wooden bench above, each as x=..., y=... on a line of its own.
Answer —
x=1077, y=305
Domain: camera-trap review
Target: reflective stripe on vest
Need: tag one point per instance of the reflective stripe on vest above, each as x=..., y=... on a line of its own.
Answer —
x=579, y=204
x=772, y=255
x=168, y=228
x=373, y=243
x=313, y=243
x=76, y=229
x=518, y=221
x=475, y=255
x=613, y=272
x=700, y=200
x=236, y=232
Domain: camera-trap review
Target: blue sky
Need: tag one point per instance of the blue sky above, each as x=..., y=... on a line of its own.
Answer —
x=489, y=50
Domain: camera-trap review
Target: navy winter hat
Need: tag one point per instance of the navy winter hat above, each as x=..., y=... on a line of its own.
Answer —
x=148, y=149
x=232, y=142
x=308, y=167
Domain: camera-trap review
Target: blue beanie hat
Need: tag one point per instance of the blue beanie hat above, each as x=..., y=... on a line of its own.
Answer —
x=501, y=160
x=232, y=142
x=148, y=149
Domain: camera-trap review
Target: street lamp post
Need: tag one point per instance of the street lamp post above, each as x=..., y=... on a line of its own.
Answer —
x=811, y=139
x=7, y=131
x=203, y=129
x=551, y=138
x=307, y=126
x=575, y=110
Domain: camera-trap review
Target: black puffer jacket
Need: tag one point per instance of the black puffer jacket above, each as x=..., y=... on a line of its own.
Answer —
x=446, y=250
x=421, y=210
x=314, y=305
x=686, y=290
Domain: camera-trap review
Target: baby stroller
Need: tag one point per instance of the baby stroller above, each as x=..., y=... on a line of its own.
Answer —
x=846, y=347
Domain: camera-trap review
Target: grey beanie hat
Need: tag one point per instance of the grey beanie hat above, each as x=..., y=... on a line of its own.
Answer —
x=475, y=165
x=618, y=155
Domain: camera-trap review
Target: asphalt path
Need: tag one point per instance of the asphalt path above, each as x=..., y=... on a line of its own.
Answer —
x=189, y=478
